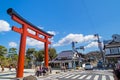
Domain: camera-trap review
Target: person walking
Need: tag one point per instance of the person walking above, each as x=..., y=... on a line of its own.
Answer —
x=44, y=70
x=10, y=67
x=117, y=70
x=2, y=68
x=37, y=71
x=16, y=68
x=40, y=70
x=50, y=69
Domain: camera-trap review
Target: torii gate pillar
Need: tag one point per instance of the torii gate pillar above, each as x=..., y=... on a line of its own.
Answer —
x=24, y=33
x=20, y=66
x=46, y=52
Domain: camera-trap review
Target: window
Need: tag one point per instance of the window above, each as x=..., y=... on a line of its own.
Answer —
x=114, y=50
x=107, y=51
x=119, y=50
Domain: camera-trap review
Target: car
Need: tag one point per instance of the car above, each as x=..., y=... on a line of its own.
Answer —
x=88, y=66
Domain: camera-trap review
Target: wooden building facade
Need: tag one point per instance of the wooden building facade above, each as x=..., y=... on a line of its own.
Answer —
x=112, y=49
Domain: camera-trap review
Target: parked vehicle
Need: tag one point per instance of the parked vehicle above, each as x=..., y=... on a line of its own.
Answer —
x=88, y=66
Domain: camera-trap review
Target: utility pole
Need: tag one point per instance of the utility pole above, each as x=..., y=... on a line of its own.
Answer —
x=101, y=50
x=74, y=50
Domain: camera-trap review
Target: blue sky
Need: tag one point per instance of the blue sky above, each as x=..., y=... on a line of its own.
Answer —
x=68, y=20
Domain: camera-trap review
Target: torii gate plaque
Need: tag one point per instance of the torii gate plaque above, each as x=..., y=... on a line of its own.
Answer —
x=24, y=33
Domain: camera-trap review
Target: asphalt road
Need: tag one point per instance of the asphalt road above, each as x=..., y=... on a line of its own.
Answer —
x=82, y=75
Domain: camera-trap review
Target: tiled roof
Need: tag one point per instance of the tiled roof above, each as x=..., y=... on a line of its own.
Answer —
x=107, y=41
x=68, y=53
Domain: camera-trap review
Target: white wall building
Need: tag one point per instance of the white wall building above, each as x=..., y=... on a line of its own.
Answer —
x=67, y=58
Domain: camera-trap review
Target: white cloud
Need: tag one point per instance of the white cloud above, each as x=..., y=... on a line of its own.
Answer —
x=34, y=43
x=4, y=26
x=89, y=37
x=13, y=44
x=31, y=31
x=40, y=27
x=52, y=32
x=92, y=44
x=80, y=38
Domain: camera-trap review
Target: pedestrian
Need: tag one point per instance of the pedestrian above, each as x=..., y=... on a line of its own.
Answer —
x=37, y=71
x=50, y=69
x=16, y=68
x=44, y=70
x=64, y=68
x=40, y=70
x=2, y=68
x=117, y=70
x=10, y=67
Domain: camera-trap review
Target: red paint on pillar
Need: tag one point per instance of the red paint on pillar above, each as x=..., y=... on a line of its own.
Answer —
x=20, y=69
x=46, y=52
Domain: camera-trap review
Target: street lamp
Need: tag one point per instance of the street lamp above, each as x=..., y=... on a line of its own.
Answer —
x=100, y=47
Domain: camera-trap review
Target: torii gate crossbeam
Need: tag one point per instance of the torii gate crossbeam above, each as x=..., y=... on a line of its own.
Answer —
x=24, y=33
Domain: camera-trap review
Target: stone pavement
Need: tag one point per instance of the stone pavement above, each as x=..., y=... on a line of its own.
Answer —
x=11, y=75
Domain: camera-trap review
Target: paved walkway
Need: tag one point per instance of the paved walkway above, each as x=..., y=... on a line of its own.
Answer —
x=11, y=75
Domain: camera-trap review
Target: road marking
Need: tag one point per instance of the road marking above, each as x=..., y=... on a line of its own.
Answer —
x=111, y=77
x=75, y=76
x=82, y=77
x=89, y=77
x=61, y=76
x=103, y=77
x=70, y=76
x=96, y=77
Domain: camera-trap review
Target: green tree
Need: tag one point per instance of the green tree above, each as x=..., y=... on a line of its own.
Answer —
x=52, y=53
x=39, y=56
x=3, y=50
x=13, y=56
x=13, y=50
x=30, y=56
x=30, y=53
x=14, y=59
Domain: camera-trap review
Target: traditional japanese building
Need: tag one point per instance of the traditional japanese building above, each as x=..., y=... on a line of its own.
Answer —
x=112, y=49
x=67, y=58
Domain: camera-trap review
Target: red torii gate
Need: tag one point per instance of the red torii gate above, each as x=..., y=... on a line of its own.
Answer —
x=24, y=33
